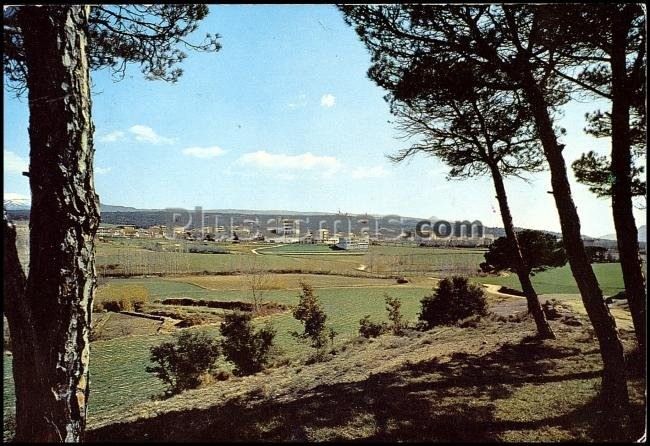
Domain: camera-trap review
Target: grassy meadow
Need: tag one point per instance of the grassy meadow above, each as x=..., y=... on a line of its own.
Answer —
x=561, y=281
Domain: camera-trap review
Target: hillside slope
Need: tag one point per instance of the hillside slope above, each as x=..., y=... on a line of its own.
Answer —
x=491, y=382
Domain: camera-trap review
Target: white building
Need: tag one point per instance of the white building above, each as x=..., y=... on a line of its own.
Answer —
x=353, y=244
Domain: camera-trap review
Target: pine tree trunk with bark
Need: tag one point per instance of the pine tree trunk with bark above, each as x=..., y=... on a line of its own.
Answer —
x=614, y=383
x=544, y=330
x=49, y=312
x=622, y=207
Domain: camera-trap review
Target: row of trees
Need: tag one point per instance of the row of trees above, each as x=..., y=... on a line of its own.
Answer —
x=480, y=87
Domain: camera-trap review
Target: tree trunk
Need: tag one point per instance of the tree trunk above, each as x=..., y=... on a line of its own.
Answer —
x=63, y=221
x=614, y=384
x=626, y=231
x=544, y=330
x=22, y=332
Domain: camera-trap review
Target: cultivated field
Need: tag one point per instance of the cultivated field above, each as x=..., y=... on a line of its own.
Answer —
x=116, y=257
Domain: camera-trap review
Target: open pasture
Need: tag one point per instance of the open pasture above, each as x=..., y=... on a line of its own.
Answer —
x=561, y=281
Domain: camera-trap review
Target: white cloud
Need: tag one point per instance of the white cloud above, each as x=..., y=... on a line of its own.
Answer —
x=147, y=134
x=14, y=163
x=304, y=161
x=369, y=172
x=102, y=170
x=12, y=196
x=300, y=102
x=113, y=136
x=327, y=100
x=203, y=152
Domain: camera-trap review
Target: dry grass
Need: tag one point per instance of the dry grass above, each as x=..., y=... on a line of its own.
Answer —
x=188, y=316
x=489, y=383
x=114, y=325
x=120, y=298
x=618, y=308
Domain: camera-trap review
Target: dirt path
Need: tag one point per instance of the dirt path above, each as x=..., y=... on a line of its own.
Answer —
x=254, y=251
x=494, y=289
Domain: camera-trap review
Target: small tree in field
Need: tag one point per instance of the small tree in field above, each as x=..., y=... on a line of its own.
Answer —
x=182, y=363
x=393, y=306
x=246, y=348
x=453, y=300
x=257, y=280
x=312, y=316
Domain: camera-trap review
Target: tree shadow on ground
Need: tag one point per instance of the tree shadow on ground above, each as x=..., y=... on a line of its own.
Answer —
x=449, y=399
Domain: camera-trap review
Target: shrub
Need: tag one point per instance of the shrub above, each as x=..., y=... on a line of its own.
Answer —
x=395, y=317
x=454, y=299
x=370, y=329
x=331, y=334
x=246, y=349
x=120, y=298
x=207, y=250
x=191, y=320
x=311, y=315
x=182, y=363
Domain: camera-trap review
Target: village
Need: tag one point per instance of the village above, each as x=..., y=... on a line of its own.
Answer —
x=289, y=231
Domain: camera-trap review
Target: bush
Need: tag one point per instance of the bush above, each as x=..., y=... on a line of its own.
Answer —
x=395, y=317
x=246, y=349
x=207, y=250
x=454, y=299
x=369, y=329
x=120, y=298
x=181, y=364
x=311, y=315
x=191, y=320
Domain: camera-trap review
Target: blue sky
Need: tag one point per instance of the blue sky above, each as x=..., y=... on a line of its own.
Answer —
x=284, y=117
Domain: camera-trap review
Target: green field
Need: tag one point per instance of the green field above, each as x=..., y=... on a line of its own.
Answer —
x=561, y=281
x=118, y=376
x=300, y=248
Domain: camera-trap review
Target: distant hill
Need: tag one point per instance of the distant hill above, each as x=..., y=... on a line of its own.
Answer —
x=24, y=205
x=111, y=208
x=642, y=235
x=16, y=205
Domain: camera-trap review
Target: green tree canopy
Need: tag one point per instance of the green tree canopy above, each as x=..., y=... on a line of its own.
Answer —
x=539, y=249
x=149, y=35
